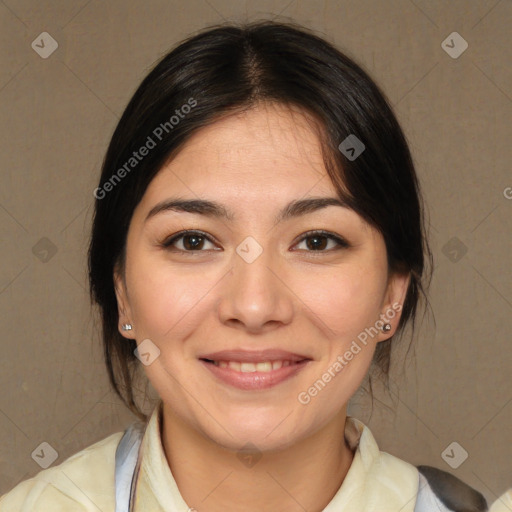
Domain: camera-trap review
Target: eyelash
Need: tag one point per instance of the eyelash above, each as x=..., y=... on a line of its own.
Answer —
x=342, y=244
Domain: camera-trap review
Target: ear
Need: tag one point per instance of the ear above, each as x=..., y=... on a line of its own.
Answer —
x=393, y=302
x=123, y=305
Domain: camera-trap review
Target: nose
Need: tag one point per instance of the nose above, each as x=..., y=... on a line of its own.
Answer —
x=255, y=296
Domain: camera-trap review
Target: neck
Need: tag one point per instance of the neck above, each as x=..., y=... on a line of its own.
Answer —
x=304, y=476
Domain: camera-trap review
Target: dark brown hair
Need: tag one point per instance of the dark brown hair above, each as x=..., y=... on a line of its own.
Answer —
x=230, y=68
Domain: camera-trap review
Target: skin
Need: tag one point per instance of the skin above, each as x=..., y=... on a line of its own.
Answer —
x=292, y=297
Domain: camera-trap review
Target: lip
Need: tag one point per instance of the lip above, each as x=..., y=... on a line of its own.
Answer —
x=253, y=381
x=253, y=356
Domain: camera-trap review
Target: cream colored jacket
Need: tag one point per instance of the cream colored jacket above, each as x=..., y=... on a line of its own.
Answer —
x=89, y=480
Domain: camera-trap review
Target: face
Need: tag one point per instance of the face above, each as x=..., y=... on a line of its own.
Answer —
x=279, y=308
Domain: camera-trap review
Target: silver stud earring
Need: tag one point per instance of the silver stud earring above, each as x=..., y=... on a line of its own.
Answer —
x=386, y=328
x=127, y=327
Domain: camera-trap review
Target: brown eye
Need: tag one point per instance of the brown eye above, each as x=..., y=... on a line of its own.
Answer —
x=192, y=241
x=316, y=241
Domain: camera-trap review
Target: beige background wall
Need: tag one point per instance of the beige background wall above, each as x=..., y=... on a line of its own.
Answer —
x=58, y=113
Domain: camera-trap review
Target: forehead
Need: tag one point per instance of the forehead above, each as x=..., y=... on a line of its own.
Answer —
x=270, y=150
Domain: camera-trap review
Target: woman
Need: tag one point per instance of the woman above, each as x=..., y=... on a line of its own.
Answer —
x=258, y=244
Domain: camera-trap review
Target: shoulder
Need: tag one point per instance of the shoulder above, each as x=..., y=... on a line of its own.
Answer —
x=82, y=481
x=447, y=492
x=437, y=490
x=503, y=503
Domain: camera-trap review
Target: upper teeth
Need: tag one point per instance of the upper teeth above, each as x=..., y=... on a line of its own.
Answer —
x=264, y=366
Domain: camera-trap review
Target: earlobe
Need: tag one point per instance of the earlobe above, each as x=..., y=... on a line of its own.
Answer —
x=122, y=305
x=398, y=286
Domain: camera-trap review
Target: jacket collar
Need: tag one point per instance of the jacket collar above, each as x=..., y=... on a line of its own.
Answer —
x=374, y=478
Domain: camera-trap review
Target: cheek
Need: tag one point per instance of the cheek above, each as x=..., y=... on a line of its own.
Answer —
x=166, y=301
x=346, y=300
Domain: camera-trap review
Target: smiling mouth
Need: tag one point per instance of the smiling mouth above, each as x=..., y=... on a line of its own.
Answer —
x=250, y=367
x=254, y=375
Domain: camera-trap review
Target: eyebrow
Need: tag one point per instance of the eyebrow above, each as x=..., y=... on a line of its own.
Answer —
x=213, y=209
